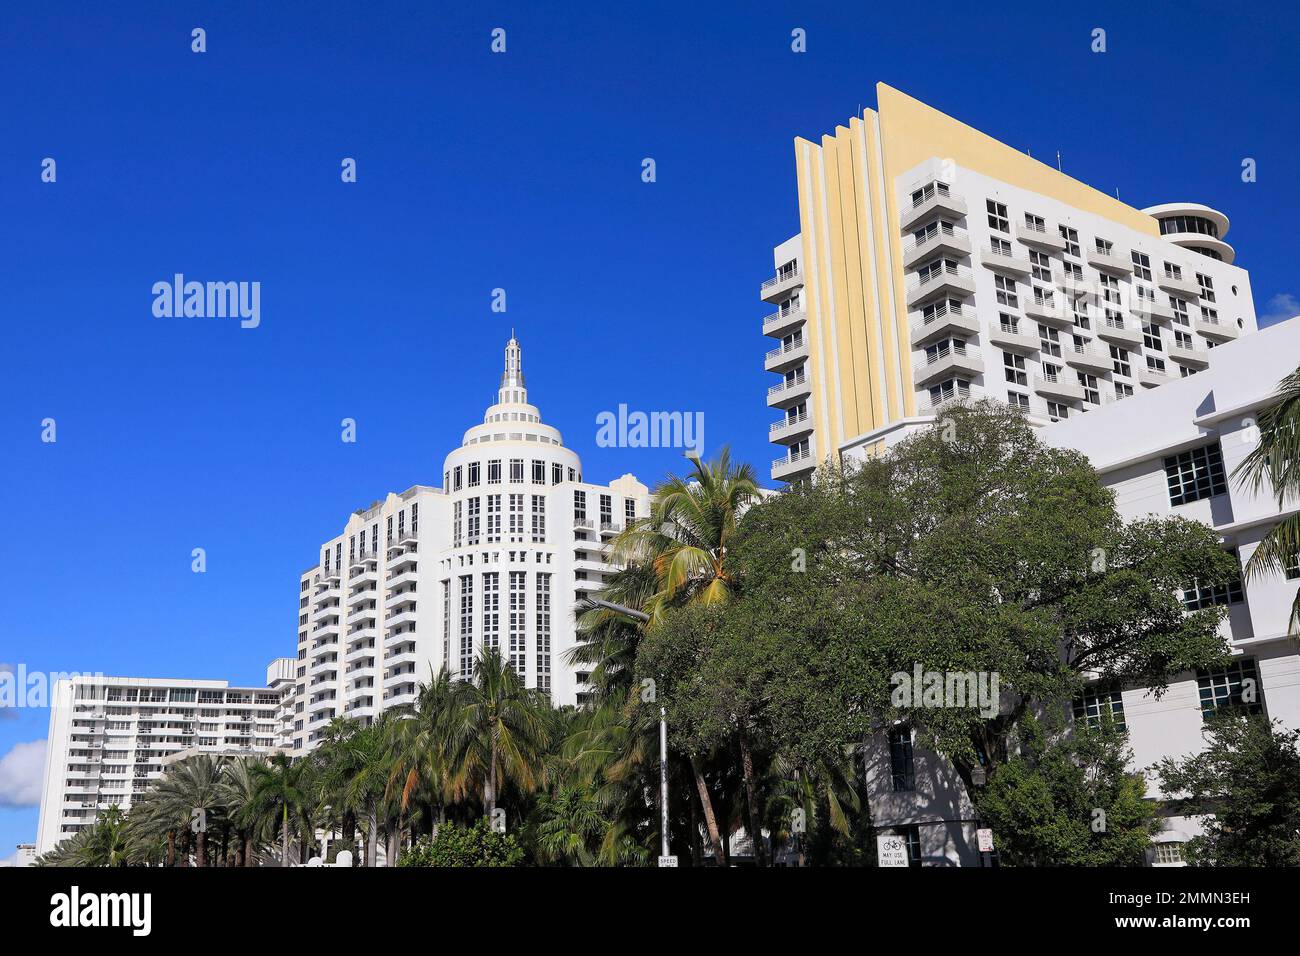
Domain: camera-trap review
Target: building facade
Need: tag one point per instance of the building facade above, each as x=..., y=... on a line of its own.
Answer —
x=496, y=557
x=935, y=263
x=1170, y=451
x=111, y=738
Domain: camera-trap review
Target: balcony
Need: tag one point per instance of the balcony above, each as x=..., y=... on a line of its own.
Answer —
x=402, y=678
x=369, y=614
x=1040, y=238
x=362, y=651
x=1151, y=378
x=1125, y=336
x=1088, y=358
x=1151, y=311
x=788, y=393
x=1057, y=387
x=1014, y=338
x=783, y=356
x=1050, y=311
x=400, y=555
x=1190, y=356
x=939, y=202
x=1000, y=261
x=608, y=529
x=362, y=560
x=944, y=240
x=779, y=323
x=399, y=618
x=1213, y=329
x=780, y=285
x=361, y=691
x=1110, y=261
x=1181, y=287
x=397, y=658
x=586, y=524
x=325, y=612
x=944, y=320
x=948, y=280
x=946, y=364
x=399, y=582
x=1073, y=288
x=792, y=466
x=789, y=430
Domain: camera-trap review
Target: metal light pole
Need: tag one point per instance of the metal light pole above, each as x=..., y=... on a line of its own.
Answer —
x=663, y=731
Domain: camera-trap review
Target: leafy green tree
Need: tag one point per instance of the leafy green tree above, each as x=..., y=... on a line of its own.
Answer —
x=475, y=845
x=1245, y=787
x=1069, y=799
x=1274, y=465
x=971, y=548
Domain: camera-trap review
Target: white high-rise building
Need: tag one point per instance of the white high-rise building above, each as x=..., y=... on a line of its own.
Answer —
x=496, y=557
x=935, y=263
x=111, y=738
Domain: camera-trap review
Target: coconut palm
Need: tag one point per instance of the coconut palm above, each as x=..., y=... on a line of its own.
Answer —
x=239, y=783
x=189, y=797
x=497, y=732
x=1273, y=465
x=419, y=747
x=105, y=843
x=281, y=795
x=684, y=538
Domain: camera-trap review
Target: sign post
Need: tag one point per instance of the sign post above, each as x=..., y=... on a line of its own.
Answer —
x=891, y=850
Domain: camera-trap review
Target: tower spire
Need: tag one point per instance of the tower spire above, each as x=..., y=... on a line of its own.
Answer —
x=512, y=379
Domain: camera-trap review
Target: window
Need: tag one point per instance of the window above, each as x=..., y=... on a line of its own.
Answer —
x=901, y=766
x=1018, y=400
x=1104, y=246
x=1006, y=291
x=1071, y=237
x=1151, y=337
x=1195, y=474
x=1169, y=854
x=935, y=269
x=997, y=216
x=579, y=504
x=1200, y=596
x=1056, y=411
x=539, y=472
x=1207, y=287
x=543, y=633
x=472, y=474
x=1292, y=567
x=494, y=472
x=1141, y=266
x=911, y=834
x=928, y=192
x=515, y=621
x=1119, y=361
x=516, y=471
x=1014, y=367
x=1091, y=394
x=1234, y=688
x=456, y=478
x=492, y=610
x=472, y=520
x=493, y=519
x=937, y=310
x=1123, y=391
x=539, y=518
x=1000, y=246
x=1080, y=313
x=943, y=348
x=516, y=529
x=1109, y=288
x=946, y=391
x=1173, y=271
x=466, y=626
x=1096, y=703
x=557, y=474
x=1180, y=310
x=1040, y=266
x=1036, y=223
x=1050, y=339
x=629, y=512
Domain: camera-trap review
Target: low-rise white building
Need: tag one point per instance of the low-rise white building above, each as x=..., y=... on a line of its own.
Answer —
x=1168, y=451
x=111, y=738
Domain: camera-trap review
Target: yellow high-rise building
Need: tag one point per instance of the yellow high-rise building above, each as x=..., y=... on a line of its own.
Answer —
x=934, y=263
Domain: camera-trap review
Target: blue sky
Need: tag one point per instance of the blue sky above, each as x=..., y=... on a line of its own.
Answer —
x=475, y=171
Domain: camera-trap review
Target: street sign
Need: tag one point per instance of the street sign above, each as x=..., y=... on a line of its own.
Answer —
x=668, y=861
x=985, y=838
x=891, y=851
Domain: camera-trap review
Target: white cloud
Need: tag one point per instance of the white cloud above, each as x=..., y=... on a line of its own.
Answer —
x=21, y=770
x=1282, y=306
x=11, y=860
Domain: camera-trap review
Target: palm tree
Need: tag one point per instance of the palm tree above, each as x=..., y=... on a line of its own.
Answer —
x=104, y=843
x=189, y=796
x=684, y=538
x=678, y=554
x=239, y=794
x=1275, y=462
x=419, y=746
x=281, y=795
x=497, y=732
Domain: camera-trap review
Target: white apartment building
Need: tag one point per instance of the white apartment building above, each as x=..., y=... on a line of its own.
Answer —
x=497, y=556
x=936, y=263
x=1170, y=451
x=111, y=738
